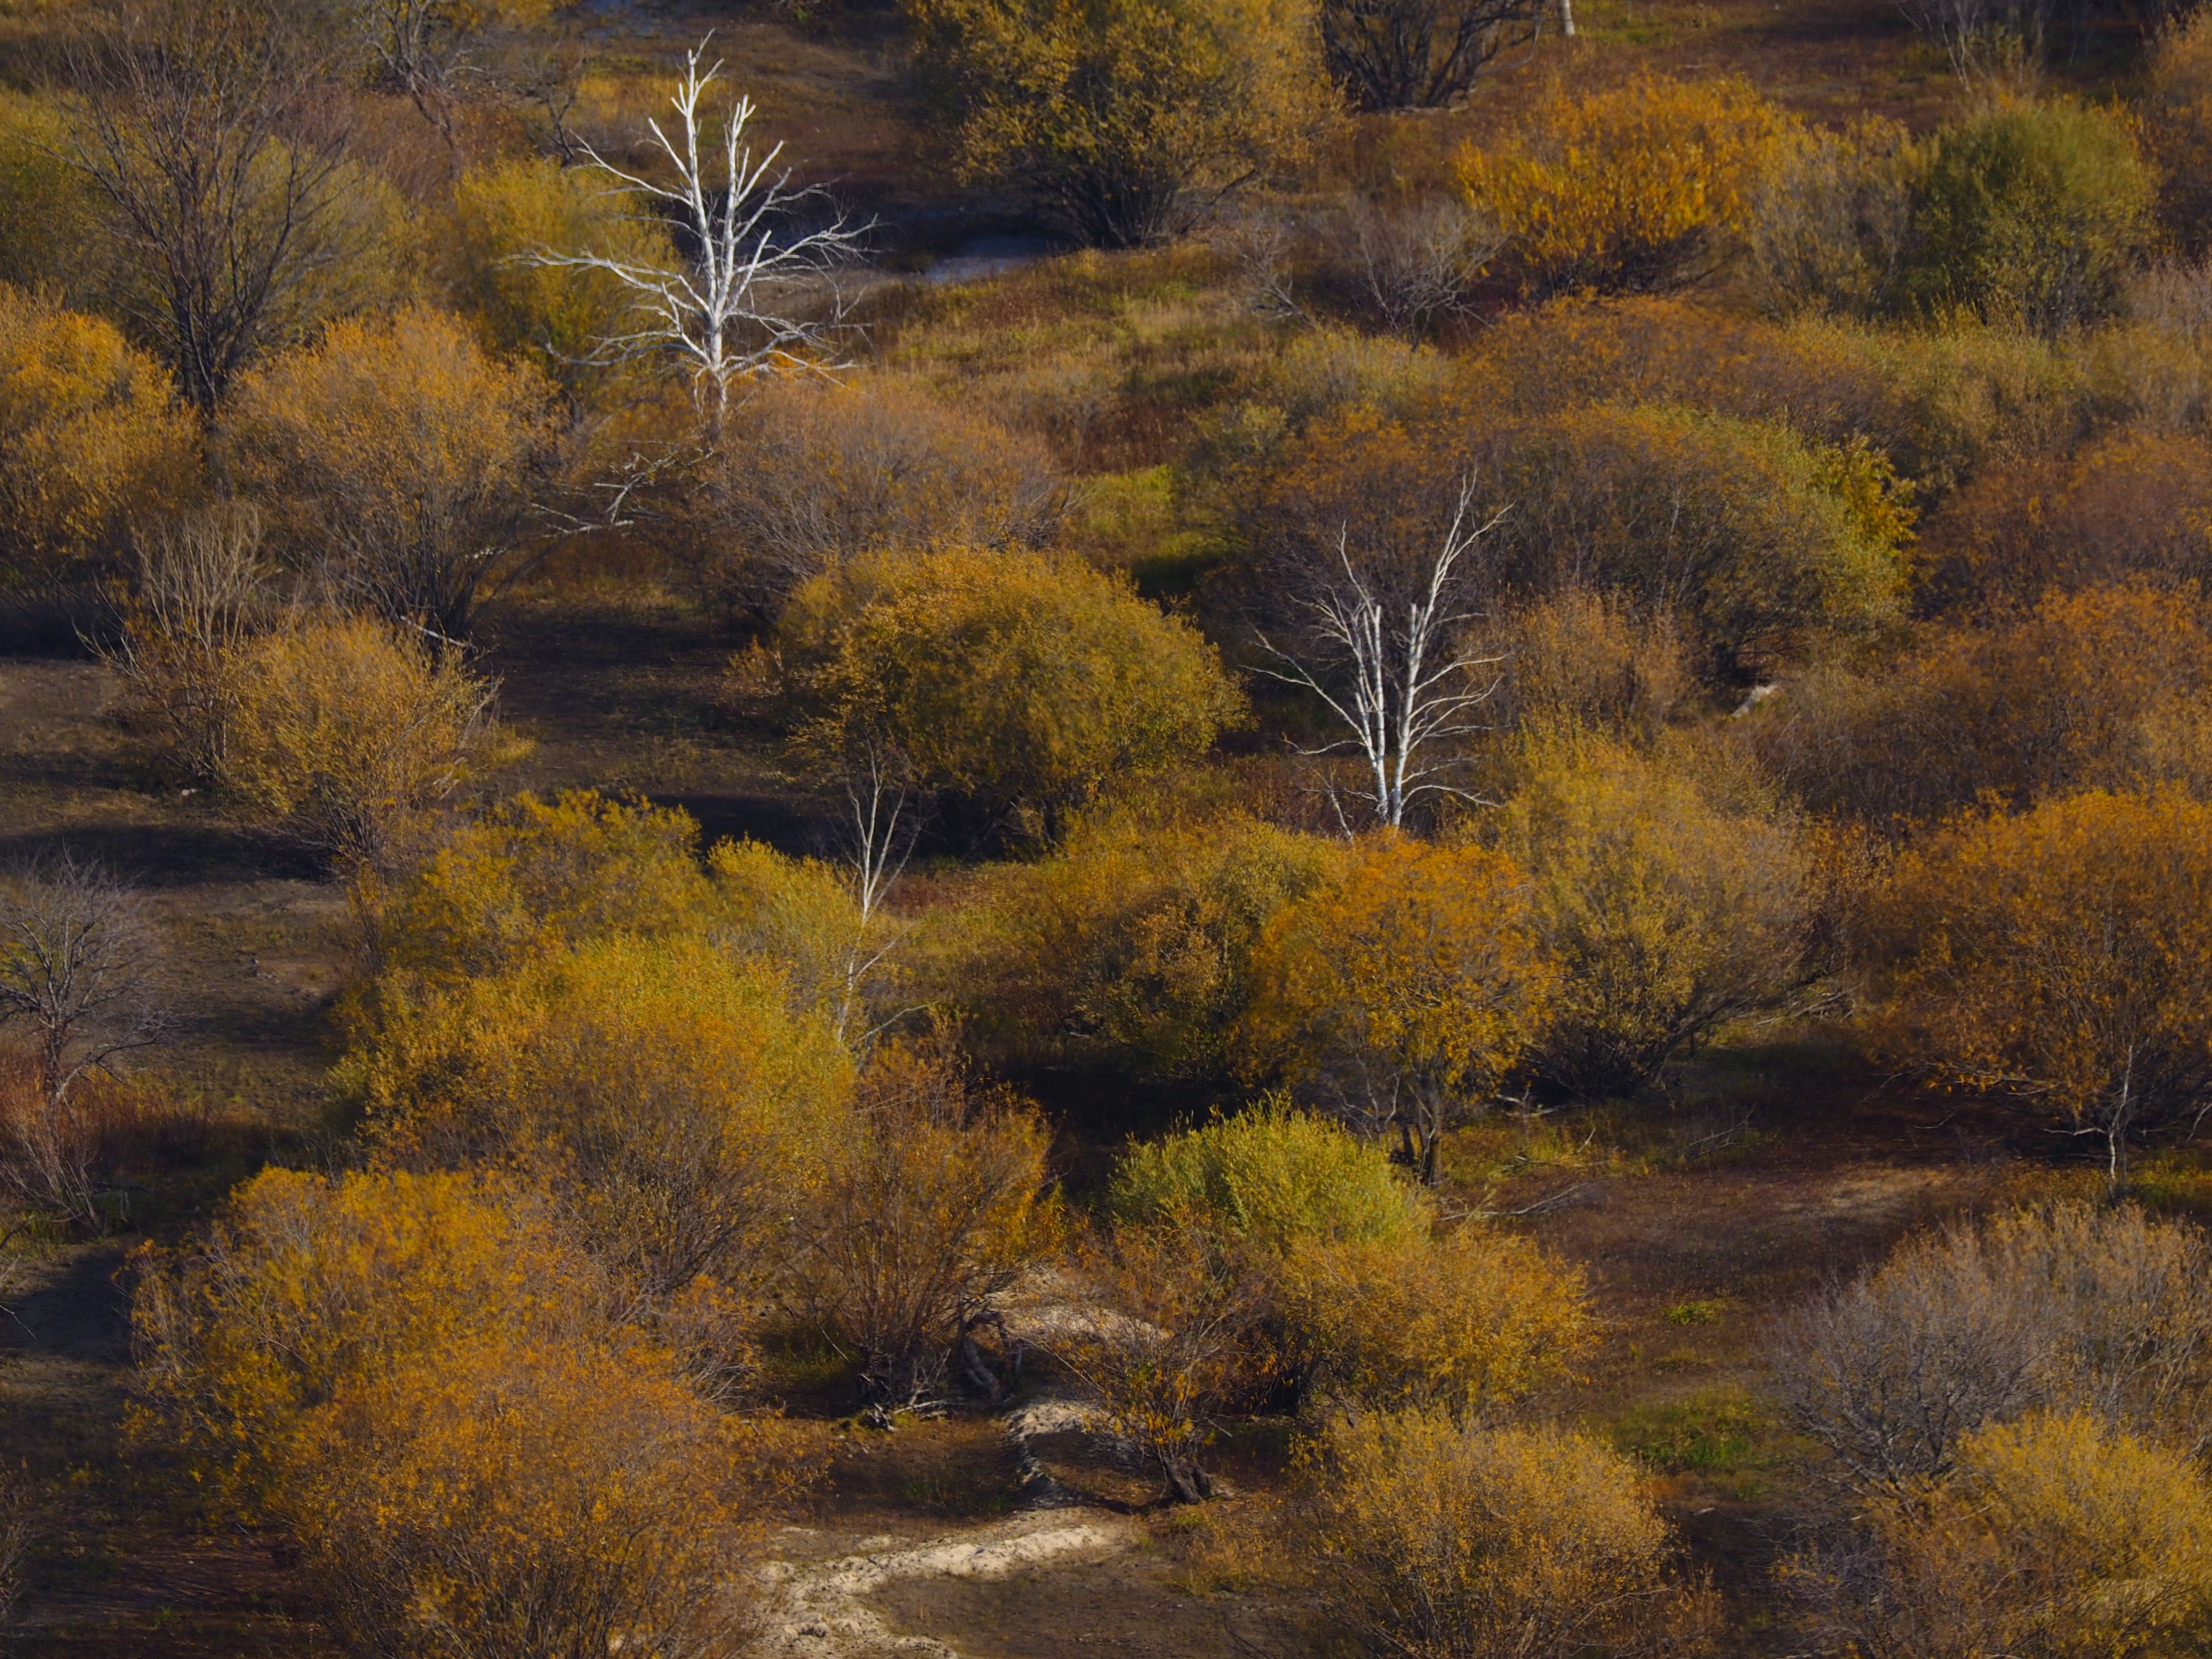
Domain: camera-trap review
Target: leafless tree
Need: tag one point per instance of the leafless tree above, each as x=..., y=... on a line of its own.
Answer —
x=422, y=48
x=199, y=590
x=1420, y=264
x=196, y=130
x=880, y=840
x=746, y=299
x=1400, y=687
x=77, y=959
x=1419, y=54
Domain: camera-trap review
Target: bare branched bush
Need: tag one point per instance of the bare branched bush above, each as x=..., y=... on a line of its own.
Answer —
x=1168, y=1341
x=1418, y=264
x=1421, y=1537
x=199, y=592
x=1420, y=54
x=66, y=1162
x=78, y=956
x=813, y=475
x=934, y=1204
x=2066, y=1307
x=1830, y=222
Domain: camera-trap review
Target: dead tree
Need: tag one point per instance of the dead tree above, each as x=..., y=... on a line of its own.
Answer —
x=1400, y=687
x=744, y=298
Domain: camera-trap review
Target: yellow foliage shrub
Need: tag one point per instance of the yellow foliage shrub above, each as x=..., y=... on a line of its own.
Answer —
x=660, y=1091
x=344, y=728
x=1276, y=1177
x=1669, y=914
x=2063, y=956
x=1017, y=683
x=1637, y=187
x=509, y=209
x=1110, y=115
x=91, y=435
x=802, y=917
x=51, y=209
x=1420, y=1535
x=393, y=456
x=2109, y=688
x=531, y=878
x=1132, y=941
x=2056, y=1536
x=1591, y=660
x=1401, y=994
x=1469, y=1324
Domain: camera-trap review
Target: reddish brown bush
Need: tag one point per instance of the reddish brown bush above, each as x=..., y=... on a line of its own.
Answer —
x=2134, y=503
x=2107, y=687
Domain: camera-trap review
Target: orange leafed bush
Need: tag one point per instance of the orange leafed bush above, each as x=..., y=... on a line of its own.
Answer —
x=427, y=1388
x=2134, y=503
x=1634, y=188
x=1401, y=993
x=2109, y=688
x=393, y=456
x=516, y=1500
x=304, y=1283
x=2064, y=956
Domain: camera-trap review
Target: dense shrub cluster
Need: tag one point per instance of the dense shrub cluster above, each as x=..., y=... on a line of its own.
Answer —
x=1756, y=570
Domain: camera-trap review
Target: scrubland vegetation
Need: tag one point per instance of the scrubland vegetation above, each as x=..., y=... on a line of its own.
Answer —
x=1414, y=796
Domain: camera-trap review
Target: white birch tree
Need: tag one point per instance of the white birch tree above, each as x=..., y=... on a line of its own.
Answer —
x=745, y=297
x=1400, y=686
